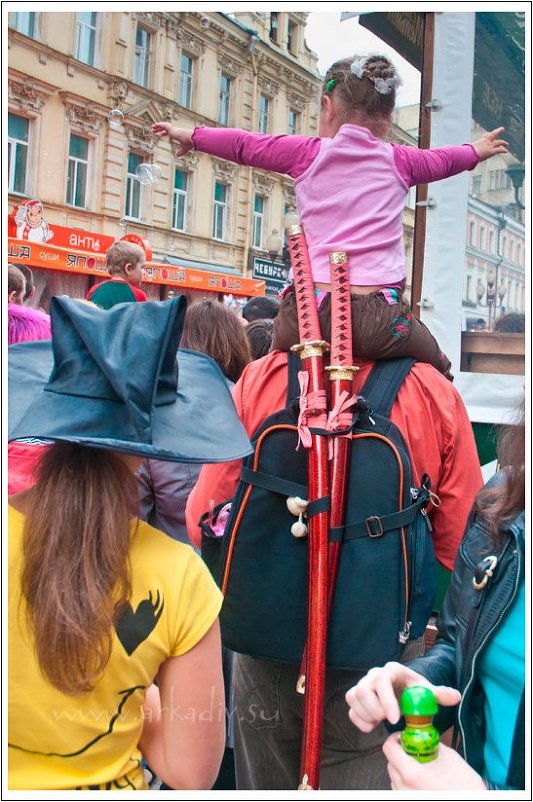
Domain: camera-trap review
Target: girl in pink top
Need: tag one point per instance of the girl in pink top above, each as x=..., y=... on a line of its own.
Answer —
x=351, y=187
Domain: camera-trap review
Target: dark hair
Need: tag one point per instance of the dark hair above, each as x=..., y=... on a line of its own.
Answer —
x=260, y=308
x=215, y=330
x=511, y=323
x=259, y=333
x=28, y=275
x=359, y=95
x=499, y=505
x=75, y=572
x=15, y=279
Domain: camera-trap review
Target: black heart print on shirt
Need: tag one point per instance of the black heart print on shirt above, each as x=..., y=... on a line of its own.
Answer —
x=133, y=628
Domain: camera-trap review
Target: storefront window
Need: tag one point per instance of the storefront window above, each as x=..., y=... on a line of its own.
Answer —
x=17, y=150
x=493, y=318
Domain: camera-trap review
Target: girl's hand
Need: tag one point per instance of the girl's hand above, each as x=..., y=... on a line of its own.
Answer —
x=489, y=144
x=447, y=772
x=180, y=135
x=375, y=697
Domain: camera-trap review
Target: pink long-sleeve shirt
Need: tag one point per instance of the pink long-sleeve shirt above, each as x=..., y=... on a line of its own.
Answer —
x=350, y=190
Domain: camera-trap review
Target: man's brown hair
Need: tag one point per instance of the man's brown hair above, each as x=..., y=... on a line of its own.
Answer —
x=122, y=253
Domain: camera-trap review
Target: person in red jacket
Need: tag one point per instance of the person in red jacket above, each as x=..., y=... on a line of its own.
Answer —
x=125, y=263
x=433, y=420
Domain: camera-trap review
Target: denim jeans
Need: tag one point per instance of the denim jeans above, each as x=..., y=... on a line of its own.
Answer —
x=267, y=717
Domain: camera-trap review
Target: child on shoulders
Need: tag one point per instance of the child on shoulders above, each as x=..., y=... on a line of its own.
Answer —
x=351, y=186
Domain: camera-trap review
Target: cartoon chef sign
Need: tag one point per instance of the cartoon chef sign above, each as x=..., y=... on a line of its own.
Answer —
x=31, y=224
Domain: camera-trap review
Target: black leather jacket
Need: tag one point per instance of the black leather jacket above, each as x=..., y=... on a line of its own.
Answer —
x=469, y=618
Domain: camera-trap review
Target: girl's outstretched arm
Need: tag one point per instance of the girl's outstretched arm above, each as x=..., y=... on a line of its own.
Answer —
x=290, y=155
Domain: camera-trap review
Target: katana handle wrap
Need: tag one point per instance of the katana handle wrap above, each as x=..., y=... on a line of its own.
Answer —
x=341, y=311
x=308, y=322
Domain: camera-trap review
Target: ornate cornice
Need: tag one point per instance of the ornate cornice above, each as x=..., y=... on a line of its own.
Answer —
x=189, y=161
x=28, y=94
x=296, y=101
x=140, y=136
x=230, y=65
x=263, y=182
x=190, y=42
x=269, y=87
x=224, y=170
x=151, y=19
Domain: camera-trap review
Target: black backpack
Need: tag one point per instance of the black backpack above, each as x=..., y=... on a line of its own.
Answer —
x=386, y=583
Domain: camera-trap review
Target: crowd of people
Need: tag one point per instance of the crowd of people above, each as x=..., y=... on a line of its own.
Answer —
x=128, y=423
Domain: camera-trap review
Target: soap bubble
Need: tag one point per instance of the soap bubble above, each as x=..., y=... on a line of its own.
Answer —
x=116, y=118
x=148, y=173
x=123, y=222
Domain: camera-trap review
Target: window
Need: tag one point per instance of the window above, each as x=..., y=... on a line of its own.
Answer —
x=472, y=232
x=519, y=254
x=504, y=247
x=78, y=163
x=511, y=251
x=223, y=106
x=292, y=38
x=185, y=98
x=133, y=187
x=220, y=210
x=179, y=200
x=142, y=56
x=476, y=184
x=263, y=114
x=482, y=238
x=23, y=22
x=294, y=122
x=468, y=293
x=258, y=221
x=498, y=179
x=491, y=241
x=17, y=152
x=85, y=36
x=274, y=26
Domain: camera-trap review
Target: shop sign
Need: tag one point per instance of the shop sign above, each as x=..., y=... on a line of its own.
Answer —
x=274, y=274
x=27, y=221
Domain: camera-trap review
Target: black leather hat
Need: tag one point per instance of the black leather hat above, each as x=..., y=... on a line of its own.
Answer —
x=112, y=379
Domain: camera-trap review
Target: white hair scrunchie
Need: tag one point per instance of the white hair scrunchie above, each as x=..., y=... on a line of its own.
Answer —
x=382, y=85
x=357, y=66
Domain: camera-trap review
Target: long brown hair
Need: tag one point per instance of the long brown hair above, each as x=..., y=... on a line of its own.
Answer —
x=499, y=505
x=215, y=330
x=75, y=569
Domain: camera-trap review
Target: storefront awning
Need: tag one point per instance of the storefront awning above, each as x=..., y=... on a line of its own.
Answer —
x=70, y=260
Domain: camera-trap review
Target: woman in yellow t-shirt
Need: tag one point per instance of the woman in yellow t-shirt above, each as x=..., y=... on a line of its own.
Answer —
x=100, y=603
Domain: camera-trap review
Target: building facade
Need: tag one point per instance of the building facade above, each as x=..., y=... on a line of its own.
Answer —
x=85, y=88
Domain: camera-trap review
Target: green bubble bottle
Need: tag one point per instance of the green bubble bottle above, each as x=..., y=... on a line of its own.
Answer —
x=420, y=739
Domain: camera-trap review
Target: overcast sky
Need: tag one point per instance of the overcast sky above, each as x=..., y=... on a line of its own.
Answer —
x=332, y=39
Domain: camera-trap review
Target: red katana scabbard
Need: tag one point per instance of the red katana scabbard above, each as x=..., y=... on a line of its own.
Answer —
x=311, y=350
x=341, y=373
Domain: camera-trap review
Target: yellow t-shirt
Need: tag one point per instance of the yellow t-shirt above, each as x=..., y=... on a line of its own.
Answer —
x=89, y=741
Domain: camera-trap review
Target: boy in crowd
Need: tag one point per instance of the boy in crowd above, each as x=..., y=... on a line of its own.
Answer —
x=125, y=262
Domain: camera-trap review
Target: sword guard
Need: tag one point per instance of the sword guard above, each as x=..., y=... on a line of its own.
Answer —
x=300, y=685
x=310, y=348
x=343, y=372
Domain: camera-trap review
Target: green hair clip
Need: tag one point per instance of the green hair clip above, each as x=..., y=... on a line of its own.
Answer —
x=330, y=84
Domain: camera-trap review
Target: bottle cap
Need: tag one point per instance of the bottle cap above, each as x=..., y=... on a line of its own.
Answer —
x=418, y=701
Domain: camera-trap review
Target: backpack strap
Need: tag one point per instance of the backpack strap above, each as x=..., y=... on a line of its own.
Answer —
x=293, y=385
x=382, y=385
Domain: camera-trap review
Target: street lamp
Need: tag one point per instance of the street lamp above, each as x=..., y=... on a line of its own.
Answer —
x=516, y=173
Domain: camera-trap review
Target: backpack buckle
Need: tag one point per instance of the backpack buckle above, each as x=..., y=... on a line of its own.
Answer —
x=374, y=527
